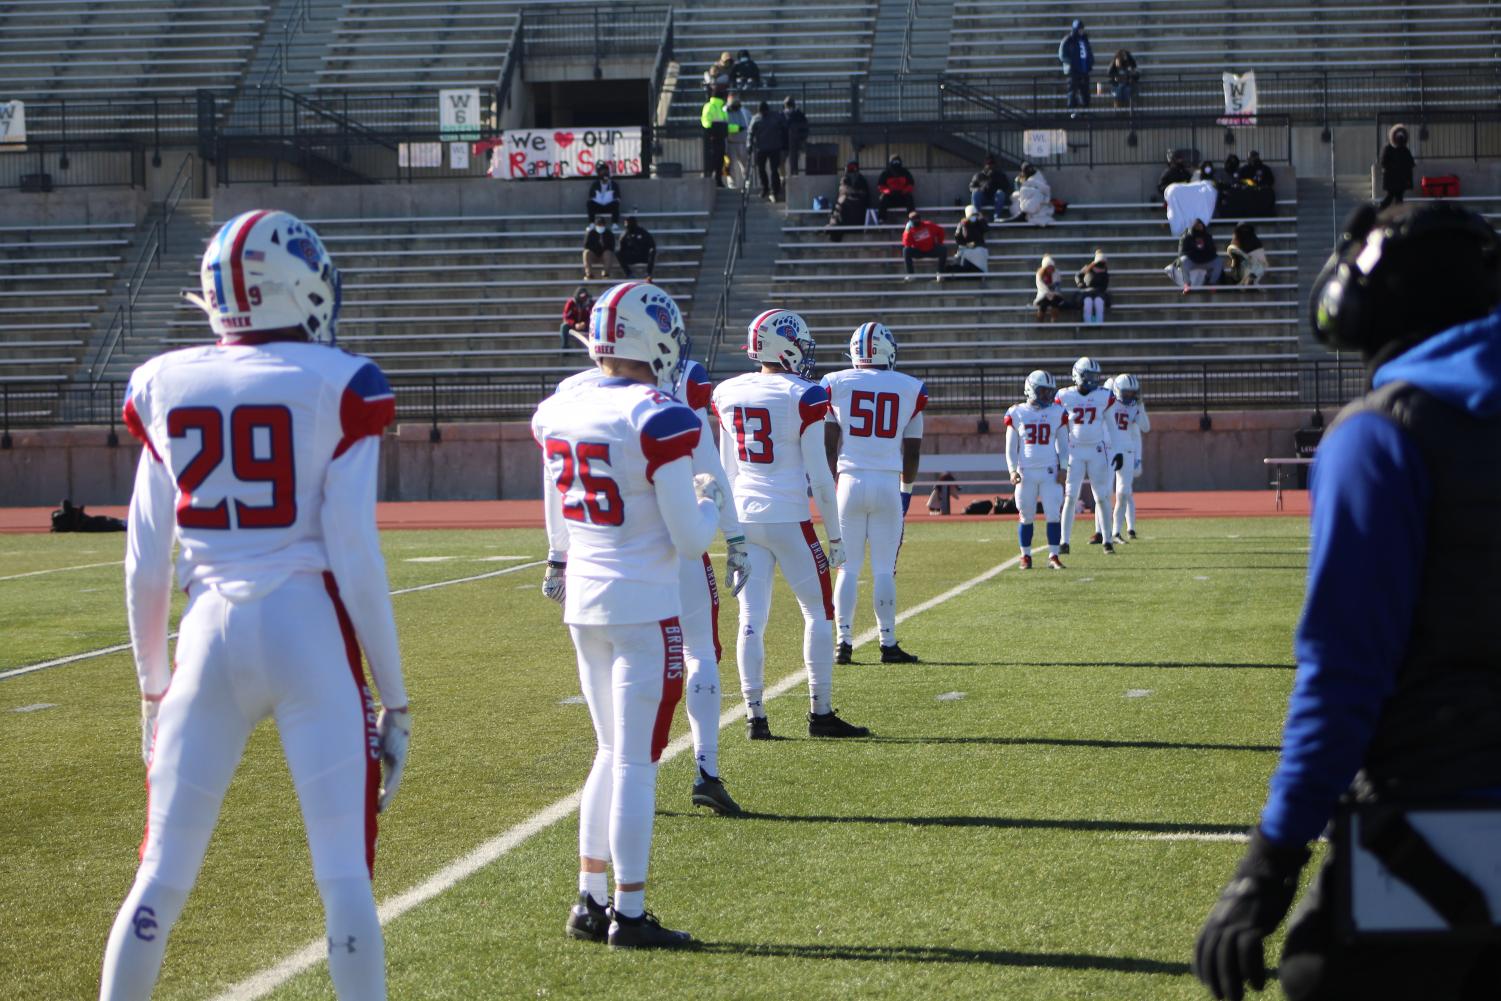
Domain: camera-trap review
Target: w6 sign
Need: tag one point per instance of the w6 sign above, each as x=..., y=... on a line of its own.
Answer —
x=572, y=152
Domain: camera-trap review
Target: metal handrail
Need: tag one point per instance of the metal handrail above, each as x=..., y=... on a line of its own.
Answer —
x=737, y=244
x=106, y=349
x=905, y=66
x=275, y=73
x=511, y=66
x=659, y=68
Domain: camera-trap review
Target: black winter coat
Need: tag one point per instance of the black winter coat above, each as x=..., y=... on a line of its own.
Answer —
x=1396, y=168
x=768, y=133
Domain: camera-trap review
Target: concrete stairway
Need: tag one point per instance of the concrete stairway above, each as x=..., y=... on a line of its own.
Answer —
x=930, y=37
x=751, y=284
x=1323, y=206
x=293, y=42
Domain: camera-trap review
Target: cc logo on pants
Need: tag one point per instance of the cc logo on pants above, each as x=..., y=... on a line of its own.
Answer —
x=145, y=923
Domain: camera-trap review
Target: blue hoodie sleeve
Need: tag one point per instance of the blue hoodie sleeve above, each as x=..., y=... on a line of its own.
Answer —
x=1371, y=494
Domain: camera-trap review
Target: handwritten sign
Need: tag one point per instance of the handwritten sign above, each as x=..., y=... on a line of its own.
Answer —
x=567, y=152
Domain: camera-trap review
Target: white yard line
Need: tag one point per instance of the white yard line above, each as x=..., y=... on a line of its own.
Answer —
x=1189, y=836
x=121, y=647
x=260, y=984
x=84, y=566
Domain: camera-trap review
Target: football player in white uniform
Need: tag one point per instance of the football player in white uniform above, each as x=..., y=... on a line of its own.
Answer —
x=1093, y=449
x=874, y=439
x=259, y=460
x=1131, y=422
x=700, y=594
x=1037, y=448
x=619, y=484
x=771, y=440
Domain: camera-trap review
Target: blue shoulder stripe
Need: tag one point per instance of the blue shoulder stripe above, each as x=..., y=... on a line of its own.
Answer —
x=370, y=382
x=669, y=422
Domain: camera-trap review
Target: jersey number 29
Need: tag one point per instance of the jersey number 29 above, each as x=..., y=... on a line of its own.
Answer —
x=274, y=467
x=601, y=503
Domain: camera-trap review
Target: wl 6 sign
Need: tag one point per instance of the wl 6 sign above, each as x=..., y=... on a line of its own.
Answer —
x=573, y=152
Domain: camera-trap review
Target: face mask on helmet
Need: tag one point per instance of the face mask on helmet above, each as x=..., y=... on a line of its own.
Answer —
x=780, y=337
x=1039, y=389
x=1127, y=388
x=1087, y=375
x=267, y=271
x=635, y=321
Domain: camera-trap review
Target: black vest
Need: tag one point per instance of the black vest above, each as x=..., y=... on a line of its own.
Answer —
x=1440, y=732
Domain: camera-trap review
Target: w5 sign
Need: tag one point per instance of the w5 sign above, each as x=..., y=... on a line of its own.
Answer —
x=572, y=152
x=12, y=123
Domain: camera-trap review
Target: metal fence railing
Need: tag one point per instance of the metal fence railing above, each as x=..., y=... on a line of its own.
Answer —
x=1445, y=135
x=727, y=284
x=982, y=390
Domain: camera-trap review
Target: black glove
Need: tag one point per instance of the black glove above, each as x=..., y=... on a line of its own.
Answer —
x=1228, y=953
x=1116, y=462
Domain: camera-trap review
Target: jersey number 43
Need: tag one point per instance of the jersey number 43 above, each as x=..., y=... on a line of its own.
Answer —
x=601, y=503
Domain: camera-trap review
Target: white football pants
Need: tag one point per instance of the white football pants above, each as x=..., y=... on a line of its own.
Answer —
x=1092, y=461
x=701, y=653
x=1124, y=501
x=632, y=679
x=291, y=654
x=870, y=510
x=794, y=547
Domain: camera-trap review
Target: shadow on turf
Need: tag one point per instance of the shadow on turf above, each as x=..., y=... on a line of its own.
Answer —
x=998, y=823
x=942, y=954
x=1151, y=745
x=1223, y=665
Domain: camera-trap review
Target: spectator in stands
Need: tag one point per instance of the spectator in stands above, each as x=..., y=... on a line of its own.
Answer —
x=1205, y=172
x=1254, y=171
x=638, y=249
x=1077, y=57
x=1032, y=201
x=852, y=202
x=768, y=141
x=599, y=249
x=1177, y=172
x=923, y=238
x=1093, y=281
x=745, y=75
x=1049, y=300
x=1123, y=78
x=604, y=196
x=739, y=140
x=896, y=187
x=985, y=187
x=797, y=133
x=1198, y=260
x=970, y=253
x=1396, y=166
x=1246, y=259
x=575, y=318
x=717, y=76
x=1230, y=173
x=717, y=128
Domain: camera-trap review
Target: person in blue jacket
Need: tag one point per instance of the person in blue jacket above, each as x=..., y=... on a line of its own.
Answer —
x=1077, y=57
x=1397, y=695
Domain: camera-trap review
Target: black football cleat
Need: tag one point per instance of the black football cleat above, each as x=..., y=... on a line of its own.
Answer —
x=1119, y=537
x=894, y=654
x=644, y=931
x=845, y=654
x=709, y=791
x=1096, y=539
x=1026, y=563
x=1063, y=550
x=830, y=725
x=1109, y=549
x=1131, y=535
x=588, y=921
x=756, y=728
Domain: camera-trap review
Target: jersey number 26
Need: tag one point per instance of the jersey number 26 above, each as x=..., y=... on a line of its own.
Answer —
x=601, y=503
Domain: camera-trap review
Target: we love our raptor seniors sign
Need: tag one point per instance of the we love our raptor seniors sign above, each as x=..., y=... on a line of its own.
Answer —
x=571, y=152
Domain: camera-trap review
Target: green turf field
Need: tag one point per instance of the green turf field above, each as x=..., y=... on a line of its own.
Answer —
x=1035, y=817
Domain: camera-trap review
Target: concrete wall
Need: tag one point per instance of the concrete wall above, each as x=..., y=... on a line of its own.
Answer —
x=74, y=205
x=485, y=461
x=459, y=197
x=1481, y=177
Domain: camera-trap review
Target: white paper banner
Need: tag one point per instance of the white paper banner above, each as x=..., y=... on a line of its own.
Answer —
x=572, y=152
x=458, y=156
x=12, y=123
x=1240, y=98
x=1040, y=144
x=458, y=114
x=419, y=155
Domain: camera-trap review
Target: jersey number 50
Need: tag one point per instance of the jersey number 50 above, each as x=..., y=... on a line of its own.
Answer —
x=873, y=414
x=601, y=503
x=275, y=467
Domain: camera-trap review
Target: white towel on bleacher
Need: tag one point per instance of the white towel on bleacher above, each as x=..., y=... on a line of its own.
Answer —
x=1189, y=201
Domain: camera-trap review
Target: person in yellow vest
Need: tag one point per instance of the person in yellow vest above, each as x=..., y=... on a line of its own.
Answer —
x=717, y=129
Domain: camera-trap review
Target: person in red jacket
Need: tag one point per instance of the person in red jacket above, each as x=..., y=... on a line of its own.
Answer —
x=575, y=319
x=923, y=238
x=896, y=187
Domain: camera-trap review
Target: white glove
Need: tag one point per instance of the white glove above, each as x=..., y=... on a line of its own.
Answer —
x=395, y=729
x=707, y=487
x=149, y=709
x=836, y=554
x=737, y=563
x=553, y=580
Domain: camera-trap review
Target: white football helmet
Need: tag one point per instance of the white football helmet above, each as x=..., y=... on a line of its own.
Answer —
x=1127, y=388
x=1087, y=374
x=637, y=321
x=1040, y=388
x=267, y=270
x=781, y=337
x=873, y=346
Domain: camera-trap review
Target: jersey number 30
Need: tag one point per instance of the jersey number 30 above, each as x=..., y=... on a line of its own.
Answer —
x=274, y=467
x=601, y=503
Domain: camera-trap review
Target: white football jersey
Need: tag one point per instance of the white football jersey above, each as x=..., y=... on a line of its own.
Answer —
x=587, y=377
x=249, y=474
x=602, y=444
x=1130, y=421
x=762, y=418
x=875, y=408
x=1038, y=430
x=1091, y=416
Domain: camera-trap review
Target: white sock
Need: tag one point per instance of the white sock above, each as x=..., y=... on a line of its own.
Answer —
x=138, y=940
x=632, y=811
x=818, y=656
x=597, y=885
x=884, y=589
x=1026, y=550
x=631, y=903
x=702, y=695
x=846, y=592
x=1052, y=550
x=356, y=948
x=754, y=708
